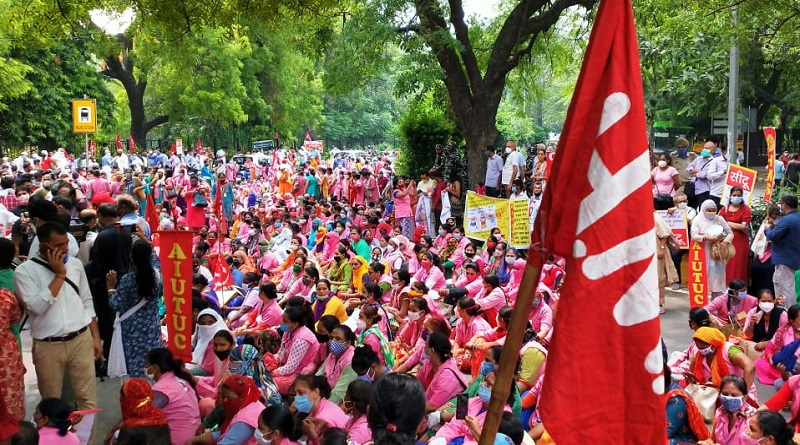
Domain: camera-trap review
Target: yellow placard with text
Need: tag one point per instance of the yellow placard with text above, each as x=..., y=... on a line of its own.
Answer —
x=483, y=213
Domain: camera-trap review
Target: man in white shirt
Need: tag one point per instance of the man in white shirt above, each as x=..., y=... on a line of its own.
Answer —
x=66, y=339
x=514, y=167
x=494, y=169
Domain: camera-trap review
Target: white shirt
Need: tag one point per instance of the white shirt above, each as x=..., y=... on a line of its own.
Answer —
x=54, y=317
x=717, y=172
x=518, y=196
x=72, y=251
x=514, y=158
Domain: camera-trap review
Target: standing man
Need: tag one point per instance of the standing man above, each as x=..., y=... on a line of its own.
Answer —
x=785, y=237
x=66, y=339
x=494, y=169
x=717, y=172
x=514, y=167
x=681, y=158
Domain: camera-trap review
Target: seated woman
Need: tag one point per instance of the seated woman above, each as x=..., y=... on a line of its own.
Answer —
x=685, y=424
x=377, y=274
x=291, y=275
x=429, y=272
x=732, y=309
x=515, y=265
x=311, y=398
x=371, y=335
x=788, y=394
x=680, y=362
x=439, y=374
x=371, y=296
x=266, y=314
x=276, y=426
x=360, y=269
x=717, y=358
x=470, y=324
x=469, y=428
x=467, y=285
x=367, y=366
x=541, y=319
x=337, y=368
x=174, y=394
x=780, y=355
x=396, y=410
x=298, y=348
x=733, y=415
x=761, y=325
x=340, y=273
x=246, y=360
x=491, y=298
x=410, y=331
x=479, y=344
x=398, y=296
x=770, y=425
x=239, y=398
x=416, y=356
x=324, y=327
x=355, y=403
x=52, y=419
x=140, y=418
x=208, y=323
x=394, y=255
x=222, y=343
x=325, y=302
x=533, y=356
x=452, y=257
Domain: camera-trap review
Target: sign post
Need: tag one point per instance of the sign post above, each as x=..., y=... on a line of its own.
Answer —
x=84, y=120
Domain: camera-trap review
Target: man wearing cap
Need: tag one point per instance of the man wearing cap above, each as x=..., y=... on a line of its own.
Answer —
x=494, y=170
x=514, y=166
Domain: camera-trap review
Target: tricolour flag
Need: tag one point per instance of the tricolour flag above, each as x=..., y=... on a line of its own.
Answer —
x=604, y=380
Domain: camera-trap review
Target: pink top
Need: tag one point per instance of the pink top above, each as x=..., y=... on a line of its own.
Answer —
x=458, y=428
x=330, y=413
x=664, y=184
x=433, y=277
x=491, y=300
x=445, y=383
x=301, y=335
x=512, y=287
x=334, y=366
x=49, y=435
x=735, y=435
x=299, y=289
x=269, y=314
x=402, y=206
x=247, y=415
x=732, y=369
x=268, y=261
x=465, y=330
x=358, y=193
x=473, y=287
x=738, y=311
x=784, y=319
x=416, y=356
x=358, y=430
x=540, y=317
x=182, y=411
x=207, y=385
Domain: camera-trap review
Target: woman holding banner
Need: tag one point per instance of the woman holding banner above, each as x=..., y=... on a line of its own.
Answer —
x=710, y=229
x=737, y=215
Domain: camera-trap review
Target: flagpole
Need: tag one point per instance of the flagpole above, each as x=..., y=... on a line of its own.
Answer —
x=510, y=356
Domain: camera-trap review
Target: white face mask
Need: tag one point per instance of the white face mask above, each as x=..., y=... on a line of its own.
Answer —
x=547, y=266
x=414, y=316
x=508, y=150
x=766, y=306
x=662, y=164
x=683, y=206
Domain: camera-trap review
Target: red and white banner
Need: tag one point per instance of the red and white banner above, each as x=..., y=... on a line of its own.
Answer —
x=698, y=284
x=770, y=135
x=606, y=231
x=678, y=225
x=310, y=145
x=175, y=253
x=739, y=177
x=222, y=273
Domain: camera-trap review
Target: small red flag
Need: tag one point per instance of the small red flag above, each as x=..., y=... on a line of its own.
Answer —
x=150, y=214
x=308, y=136
x=132, y=144
x=200, y=148
x=92, y=147
x=606, y=231
x=172, y=149
x=277, y=135
x=222, y=274
x=119, y=142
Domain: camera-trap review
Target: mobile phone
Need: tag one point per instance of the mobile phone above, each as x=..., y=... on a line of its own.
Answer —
x=461, y=405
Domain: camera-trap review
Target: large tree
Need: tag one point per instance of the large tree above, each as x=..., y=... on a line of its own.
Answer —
x=473, y=62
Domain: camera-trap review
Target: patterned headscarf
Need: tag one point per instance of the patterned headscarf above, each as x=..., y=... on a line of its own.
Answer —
x=245, y=360
x=136, y=401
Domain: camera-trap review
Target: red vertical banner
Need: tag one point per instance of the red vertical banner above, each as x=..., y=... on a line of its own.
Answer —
x=175, y=253
x=698, y=284
x=769, y=134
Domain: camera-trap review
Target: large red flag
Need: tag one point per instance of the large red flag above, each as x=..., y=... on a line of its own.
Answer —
x=222, y=274
x=150, y=214
x=604, y=379
x=118, y=142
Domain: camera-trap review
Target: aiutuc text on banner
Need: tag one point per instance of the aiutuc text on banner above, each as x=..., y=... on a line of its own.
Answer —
x=698, y=284
x=176, y=265
x=769, y=135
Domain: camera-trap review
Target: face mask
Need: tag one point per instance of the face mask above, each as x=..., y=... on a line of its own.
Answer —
x=149, y=375
x=376, y=257
x=485, y=394
x=737, y=200
x=705, y=153
x=510, y=261
x=337, y=258
x=366, y=377
x=441, y=233
x=547, y=266
x=508, y=150
x=662, y=164
x=469, y=254
x=361, y=325
x=683, y=206
x=766, y=306
x=296, y=268
x=499, y=253
x=194, y=184
x=232, y=406
x=731, y=403
x=710, y=215
x=285, y=328
x=425, y=354
x=389, y=249
x=486, y=368
x=682, y=152
x=536, y=302
x=457, y=236
x=395, y=286
x=741, y=295
x=236, y=262
x=303, y=404
x=322, y=296
x=424, y=335
x=259, y=436
x=513, y=190
x=278, y=225
x=306, y=281
x=707, y=351
x=292, y=247
x=222, y=355
x=490, y=245
x=414, y=316
x=336, y=347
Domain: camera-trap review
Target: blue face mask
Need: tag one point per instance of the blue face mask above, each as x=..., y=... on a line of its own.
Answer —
x=336, y=347
x=705, y=153
x=736, y=200
x=683, y=152
x=487, y=368
x=366, y=377
x=742, y=295
x=285, y=328
x=424, y=335
x=457, y=236
x=303, y=404
x=278, y=225
x=731, y=403
x=485, y=394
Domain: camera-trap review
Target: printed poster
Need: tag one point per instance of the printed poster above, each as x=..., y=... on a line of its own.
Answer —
x=678, y=224
x=742, y=177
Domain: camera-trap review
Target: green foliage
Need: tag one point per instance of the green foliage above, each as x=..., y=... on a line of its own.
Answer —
x=423, y=127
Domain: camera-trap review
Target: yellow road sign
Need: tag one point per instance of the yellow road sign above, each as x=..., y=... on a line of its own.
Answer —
x=84, y=116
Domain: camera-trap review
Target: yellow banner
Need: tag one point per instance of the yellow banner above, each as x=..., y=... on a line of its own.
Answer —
x=482, y=214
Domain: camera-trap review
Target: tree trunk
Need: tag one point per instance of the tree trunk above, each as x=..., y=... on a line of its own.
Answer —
x=478, y=135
